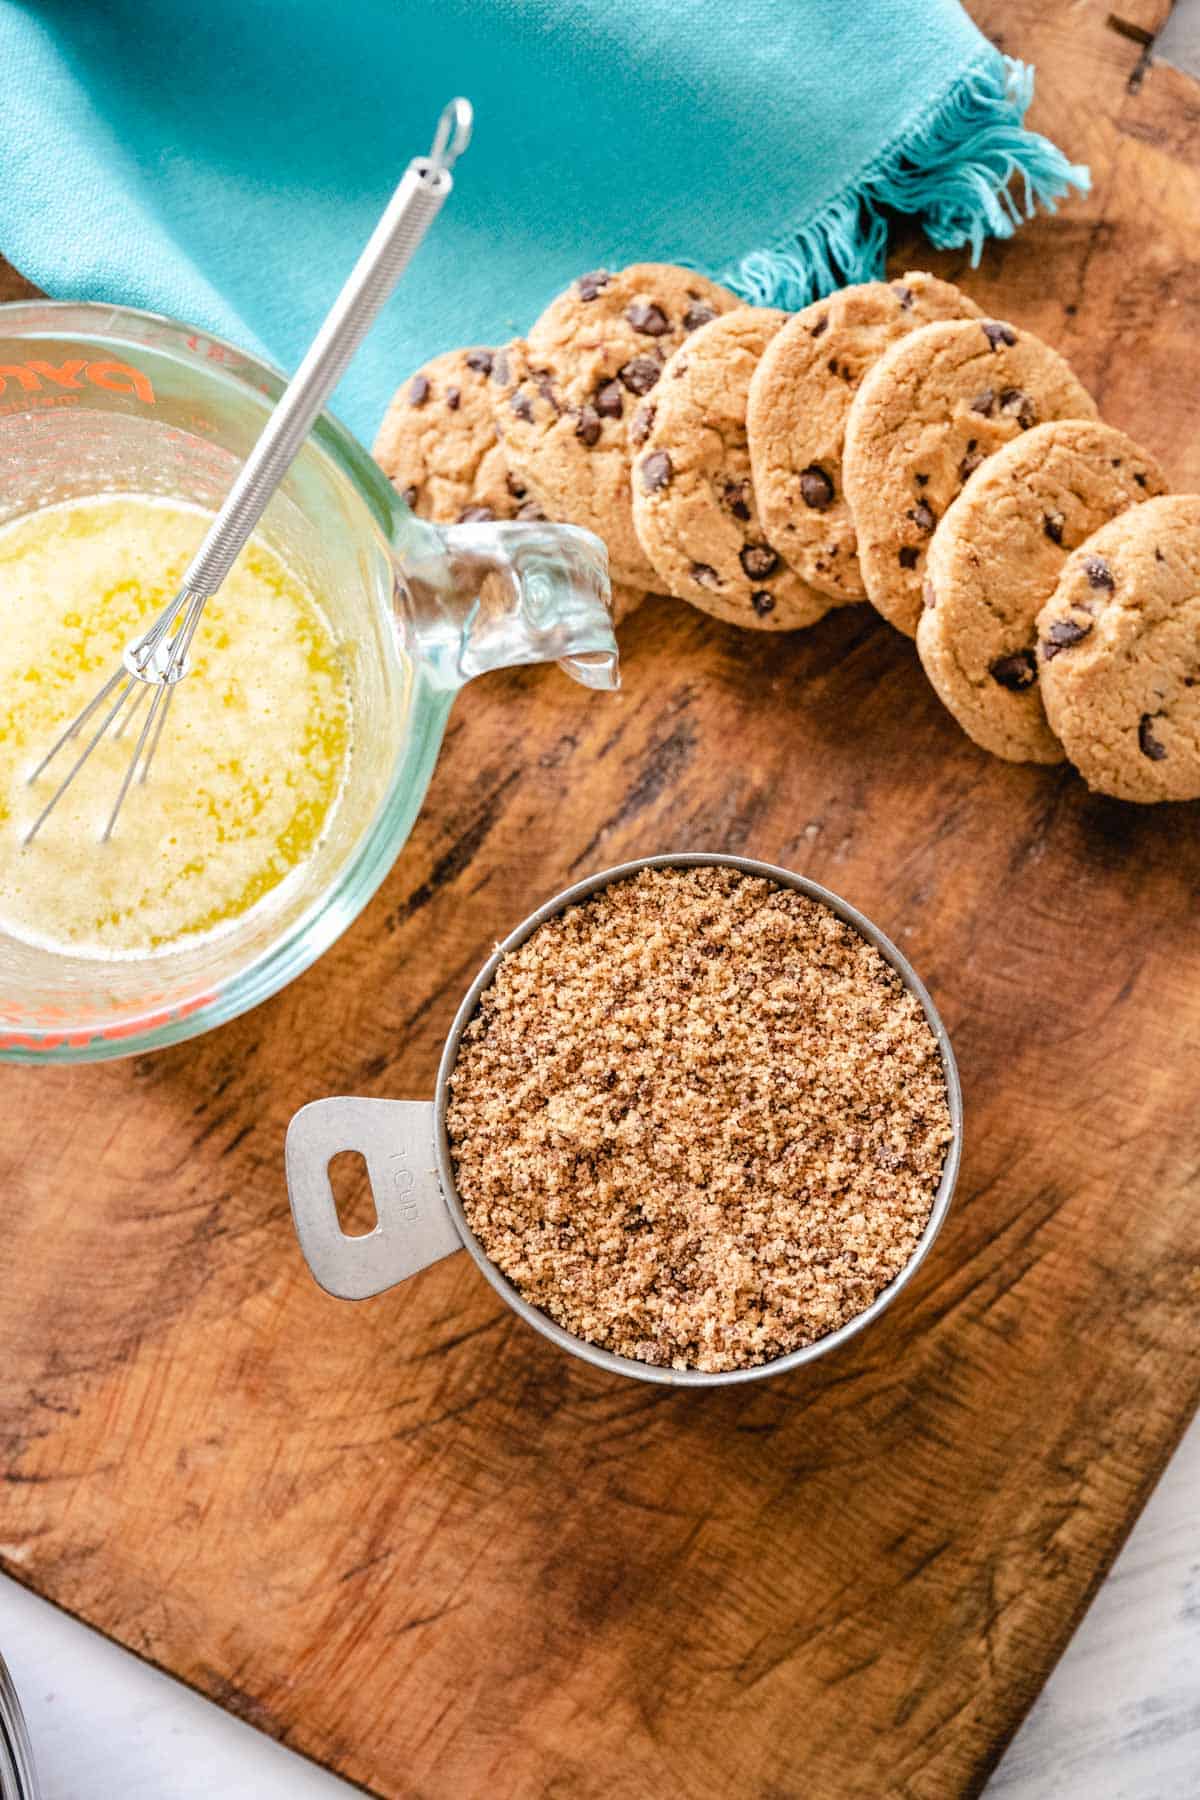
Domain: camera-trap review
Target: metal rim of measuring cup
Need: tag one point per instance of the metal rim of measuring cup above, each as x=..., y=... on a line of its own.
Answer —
x=18, y=1779
x=626, y=1365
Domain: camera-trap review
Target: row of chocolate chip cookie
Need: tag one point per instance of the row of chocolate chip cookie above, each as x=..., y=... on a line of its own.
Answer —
x=888, y=439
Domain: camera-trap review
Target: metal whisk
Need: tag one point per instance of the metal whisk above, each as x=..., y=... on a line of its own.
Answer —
x=154, y=663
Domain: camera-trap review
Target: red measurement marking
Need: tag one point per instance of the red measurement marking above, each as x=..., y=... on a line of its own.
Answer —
x=82, y=1035
x=115, y=377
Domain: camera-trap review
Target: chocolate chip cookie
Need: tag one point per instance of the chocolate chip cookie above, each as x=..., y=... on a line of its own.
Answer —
x=1119, y=653
x=693, y=498
x=928, y=412
x=799, y=400
x=438, y=447
x=995, y=560
x=566, y=392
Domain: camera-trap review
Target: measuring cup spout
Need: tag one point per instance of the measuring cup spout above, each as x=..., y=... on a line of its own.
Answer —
x=488, y=596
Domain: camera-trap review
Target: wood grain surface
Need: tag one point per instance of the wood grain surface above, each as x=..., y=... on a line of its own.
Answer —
x=409, y=1537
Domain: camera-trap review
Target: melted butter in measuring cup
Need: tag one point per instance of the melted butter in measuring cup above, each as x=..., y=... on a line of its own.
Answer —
x=249, y=768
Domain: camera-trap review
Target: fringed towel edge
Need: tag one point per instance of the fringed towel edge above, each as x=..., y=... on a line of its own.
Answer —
x=966, y=169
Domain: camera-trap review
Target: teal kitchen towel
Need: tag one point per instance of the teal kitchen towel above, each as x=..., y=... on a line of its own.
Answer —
x=225, y=162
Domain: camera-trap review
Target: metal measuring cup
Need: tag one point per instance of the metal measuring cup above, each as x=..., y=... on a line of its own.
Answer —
x=420, y=1216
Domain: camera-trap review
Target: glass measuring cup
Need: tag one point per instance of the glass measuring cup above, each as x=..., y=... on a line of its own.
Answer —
x=103, y=399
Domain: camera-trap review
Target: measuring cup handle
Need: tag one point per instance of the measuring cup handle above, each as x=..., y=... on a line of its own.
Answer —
x=414, y=1227
x=496, y=595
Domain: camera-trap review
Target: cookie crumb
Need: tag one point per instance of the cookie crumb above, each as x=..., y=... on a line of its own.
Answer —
x=698, y=1120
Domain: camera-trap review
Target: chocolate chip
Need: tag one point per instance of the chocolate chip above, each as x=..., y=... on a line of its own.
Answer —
x=706, y=575
x=1148, y=744
x=1098, y=573
x=923, y=517
x=968, y=466
x=821, y=325
x=640, y=373
x=588, y=286
x=763, y=603
x=647, y=318
x=522, y=405
x=1052, y=525
x=1017, y=404
x=737, y=498
x=475, y=515
x=418, y=390
x=587, y=426
x=997, y=334
x=759, y=561
x=639, y=425
x=409, y=496
x=500, y=370
x=655, y=471
x=985, y=402
x=1061, y=637
x=545, y=387
x=696, y=315
x=904, y=295
x=679, y=367
x=1016, y=672
x=453, y=396
x=909, y=556
x=921, y=480
x=515, y=488
x=1158, y=555
x=816, y=489
x=610, y=401
x=481, y=361
x=1139, y=478
x=530, y=512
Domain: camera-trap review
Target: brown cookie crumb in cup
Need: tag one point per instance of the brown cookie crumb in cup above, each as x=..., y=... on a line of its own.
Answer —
x=702, y=1118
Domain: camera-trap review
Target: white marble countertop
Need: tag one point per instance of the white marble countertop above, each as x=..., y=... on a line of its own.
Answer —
x=1119, y=1720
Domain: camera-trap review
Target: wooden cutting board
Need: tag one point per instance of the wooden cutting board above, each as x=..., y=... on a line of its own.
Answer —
x=411, y=1539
